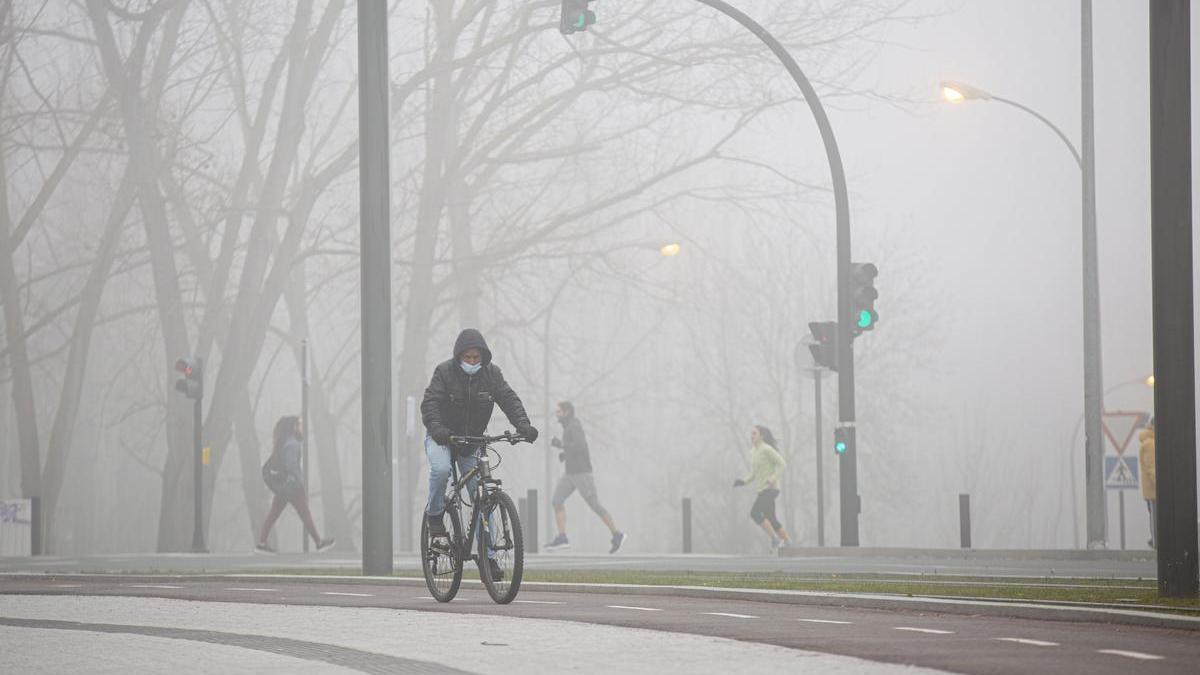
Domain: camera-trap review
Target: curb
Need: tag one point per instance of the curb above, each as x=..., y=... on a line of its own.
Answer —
x=968, y=553
x=1014, y=609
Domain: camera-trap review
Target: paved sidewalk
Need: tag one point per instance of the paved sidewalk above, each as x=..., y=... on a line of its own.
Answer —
x=426, y=642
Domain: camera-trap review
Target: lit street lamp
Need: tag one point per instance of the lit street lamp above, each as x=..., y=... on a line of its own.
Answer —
x=1093, y=377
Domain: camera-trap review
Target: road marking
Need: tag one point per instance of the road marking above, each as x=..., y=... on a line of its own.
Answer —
x=931, y=631
x=350, y=595
x=68, y=585
x=254, y=590
x=640, y=609
x=840, y=623
x=421, y=597
x=152, y=586
x=1027, y=641
x=1131, y=655
x=539, y=602
x=731, y=615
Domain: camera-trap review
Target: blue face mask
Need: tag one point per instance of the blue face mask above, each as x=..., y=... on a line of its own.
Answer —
x=470, y=369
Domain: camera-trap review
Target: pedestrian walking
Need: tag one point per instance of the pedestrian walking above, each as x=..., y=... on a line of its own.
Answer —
x=283, y=476
x=577, y=476
x=766, y=470
x=1146, y=471
x=459, y=401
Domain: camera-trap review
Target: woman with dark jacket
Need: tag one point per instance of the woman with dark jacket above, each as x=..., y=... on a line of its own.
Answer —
x=285, y=453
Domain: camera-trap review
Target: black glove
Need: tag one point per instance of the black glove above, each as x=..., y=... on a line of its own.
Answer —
x=562, y=456
x=738, y=483
x=529, y=431
x=556, y=443
x=440, y=435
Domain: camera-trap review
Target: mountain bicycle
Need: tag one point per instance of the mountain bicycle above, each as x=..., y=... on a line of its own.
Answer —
x=495, y=530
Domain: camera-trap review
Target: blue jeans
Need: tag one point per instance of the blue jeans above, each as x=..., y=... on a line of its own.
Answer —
x=439, y=474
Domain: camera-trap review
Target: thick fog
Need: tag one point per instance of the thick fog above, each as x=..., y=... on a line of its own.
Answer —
x=181, y=178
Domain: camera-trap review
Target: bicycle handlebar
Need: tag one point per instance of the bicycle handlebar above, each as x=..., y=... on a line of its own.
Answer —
x=507, y=436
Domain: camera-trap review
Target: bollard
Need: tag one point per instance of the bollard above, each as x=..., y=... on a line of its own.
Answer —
x=964, y=520
x=530, y=527
x=687, y=525
x=35, y=526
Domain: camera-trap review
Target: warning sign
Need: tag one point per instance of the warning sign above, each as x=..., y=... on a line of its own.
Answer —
x=1120, y=473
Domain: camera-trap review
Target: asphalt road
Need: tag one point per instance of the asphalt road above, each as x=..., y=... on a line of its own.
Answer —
x=951, y=642
x=814, y=561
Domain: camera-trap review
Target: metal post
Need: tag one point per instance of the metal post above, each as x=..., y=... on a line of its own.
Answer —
x=304, y=424
x=376, y=293
x=819, y=445
x=1093, y=379
x=687, y=525
x=531, y=527
x=964, y=520
x=1171, y=254
x=35, y=526
x=1121, y=515
x=848, y=472
x=197, y=471
x=547, y=430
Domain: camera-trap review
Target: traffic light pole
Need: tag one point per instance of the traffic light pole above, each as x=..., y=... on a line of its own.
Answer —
x=848, y=469
x=197, y=470
x=817, y=374
x=1171, y=255
x=376, y=310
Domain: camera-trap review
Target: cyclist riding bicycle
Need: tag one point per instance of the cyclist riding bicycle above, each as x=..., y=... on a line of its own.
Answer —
x=459, y=401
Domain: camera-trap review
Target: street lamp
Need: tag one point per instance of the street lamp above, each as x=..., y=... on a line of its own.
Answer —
x=670, y=250
x=1093, y=375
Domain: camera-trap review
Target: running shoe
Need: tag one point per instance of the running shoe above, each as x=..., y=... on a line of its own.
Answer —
x=560, y=542
x=325, y=544
x=263, y=547
x=618, y=538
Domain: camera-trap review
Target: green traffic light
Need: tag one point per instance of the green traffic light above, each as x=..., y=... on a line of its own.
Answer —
x=840, y=447
x=865, y=319
x=581, y=22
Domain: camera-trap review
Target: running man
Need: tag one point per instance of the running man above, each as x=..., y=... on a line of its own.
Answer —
x=578, y=476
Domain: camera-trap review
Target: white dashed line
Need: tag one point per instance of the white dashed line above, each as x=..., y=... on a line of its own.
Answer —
x=731, y=615
x=68, y=585
x=349, y=595
x=931, y=631
x=640, y=609
x=1027, y=641
x=538, y=602
x=153, y=586
x=254, y=590
x=1131, y=655
x=840, y=623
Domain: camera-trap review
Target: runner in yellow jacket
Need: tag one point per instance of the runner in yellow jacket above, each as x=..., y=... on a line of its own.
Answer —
x=766, y=470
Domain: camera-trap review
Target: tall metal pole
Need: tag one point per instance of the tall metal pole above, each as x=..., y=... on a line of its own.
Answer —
x=375, y=243
x=198, y=466
x=1171, y=254
x=1093, y=378
x=819, y=445
x=848, y=464
x=548, y=430
x=304, y=424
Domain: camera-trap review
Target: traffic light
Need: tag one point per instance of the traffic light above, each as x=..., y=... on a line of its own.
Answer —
x=842, y=440
x=192, y=382
x=576, y=17
x=824, y=346
x=863, y=296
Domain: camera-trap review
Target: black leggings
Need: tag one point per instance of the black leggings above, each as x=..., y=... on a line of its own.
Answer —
x=764, y=508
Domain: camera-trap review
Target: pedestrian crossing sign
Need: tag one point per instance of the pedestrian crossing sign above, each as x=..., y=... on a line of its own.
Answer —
x=1120, y=473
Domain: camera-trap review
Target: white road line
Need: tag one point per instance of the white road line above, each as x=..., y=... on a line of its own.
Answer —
x=350, y=595
x=1027, y=641
x=68, y=585
x=731, y=615
x=931, y=631
x=152, y=586
x=538, y=602
x=840, y=623
x=1131, y=655
x=640, y=609
x=254, y=590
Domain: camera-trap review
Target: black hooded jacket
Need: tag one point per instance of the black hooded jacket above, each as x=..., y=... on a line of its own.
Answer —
x=575, y=446
x=463, y=403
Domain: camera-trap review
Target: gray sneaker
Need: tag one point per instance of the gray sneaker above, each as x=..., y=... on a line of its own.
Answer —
x=618, y=538
x=560, y=542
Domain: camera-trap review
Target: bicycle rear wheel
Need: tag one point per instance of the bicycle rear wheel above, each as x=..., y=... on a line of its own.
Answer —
x=440, y=560
x=501, y=541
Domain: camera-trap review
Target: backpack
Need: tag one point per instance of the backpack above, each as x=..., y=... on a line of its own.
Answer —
x=277, y=478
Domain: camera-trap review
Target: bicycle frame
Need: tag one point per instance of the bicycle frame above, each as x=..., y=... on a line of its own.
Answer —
x=486, y=486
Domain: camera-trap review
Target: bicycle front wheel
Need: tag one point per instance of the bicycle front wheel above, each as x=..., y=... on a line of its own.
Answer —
x=440, y=558
x=501, y=549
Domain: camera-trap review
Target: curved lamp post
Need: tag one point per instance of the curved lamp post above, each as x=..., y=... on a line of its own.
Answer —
x=1093, y=374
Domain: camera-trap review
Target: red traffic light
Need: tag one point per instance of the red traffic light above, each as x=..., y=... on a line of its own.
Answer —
x=184, y=367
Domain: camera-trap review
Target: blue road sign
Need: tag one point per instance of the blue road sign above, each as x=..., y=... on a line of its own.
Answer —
x=1120, y=473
